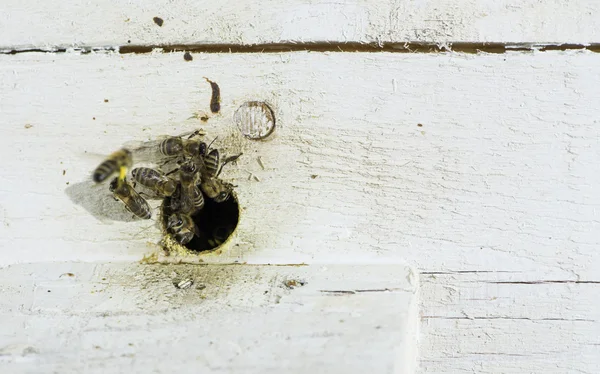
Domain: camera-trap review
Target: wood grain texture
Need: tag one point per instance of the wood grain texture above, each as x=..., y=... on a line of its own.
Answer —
x=98, y=318
x=72, y=23
x=488, y=322
x=495, y=194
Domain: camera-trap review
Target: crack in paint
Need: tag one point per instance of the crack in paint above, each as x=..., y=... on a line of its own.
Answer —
x=323, y=46
x=512, y=318
x=352, y=292
x=545, y=282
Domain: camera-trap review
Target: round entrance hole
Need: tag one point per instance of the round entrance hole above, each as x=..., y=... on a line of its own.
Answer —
x=216, y=222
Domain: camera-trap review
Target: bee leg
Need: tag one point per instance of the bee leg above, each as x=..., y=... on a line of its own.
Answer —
x=228, y=160
x=231, y=159
x=208, y=147
x=163, y=163
x=196, y=133
x=122, y=173
x=171, y=172
x=145, y=194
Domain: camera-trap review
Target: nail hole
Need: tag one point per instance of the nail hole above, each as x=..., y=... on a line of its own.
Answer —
x=255, y=119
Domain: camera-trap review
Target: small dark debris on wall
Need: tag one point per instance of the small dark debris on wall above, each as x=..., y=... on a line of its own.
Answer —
x=159, y=21
x=314, y=176
x=106, y=100
x=28, y=126
x=215, y=101
x=420, y=124
x=204, y=118
x=187, y=56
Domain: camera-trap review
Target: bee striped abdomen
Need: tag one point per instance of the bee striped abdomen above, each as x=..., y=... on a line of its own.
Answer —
x=197, y=198
x=172, y=146
x=212, y=162
x=105, y=170
x=116, y=161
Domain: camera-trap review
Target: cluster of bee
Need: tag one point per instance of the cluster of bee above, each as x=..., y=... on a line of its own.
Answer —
x=194, y=177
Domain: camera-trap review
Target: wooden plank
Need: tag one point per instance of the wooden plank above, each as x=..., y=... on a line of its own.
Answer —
x=500, y=176
x=490, y=323
x=94, y=318
x=499, y=181
x=509, y=346
x=66, y=24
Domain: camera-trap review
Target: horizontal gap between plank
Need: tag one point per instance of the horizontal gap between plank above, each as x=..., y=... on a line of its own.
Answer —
x=409, y=47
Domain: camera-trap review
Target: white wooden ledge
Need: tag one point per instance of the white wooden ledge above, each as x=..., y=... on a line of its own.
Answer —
x=104, y=23
x=98, y=318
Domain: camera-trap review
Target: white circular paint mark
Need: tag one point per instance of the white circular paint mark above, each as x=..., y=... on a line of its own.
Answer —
x=255, y=119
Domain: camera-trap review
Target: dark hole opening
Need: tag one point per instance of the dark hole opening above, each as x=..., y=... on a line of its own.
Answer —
x=216, y=222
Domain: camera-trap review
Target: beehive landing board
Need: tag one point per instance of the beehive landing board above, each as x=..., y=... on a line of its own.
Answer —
x=98, y=318
x=493, y=197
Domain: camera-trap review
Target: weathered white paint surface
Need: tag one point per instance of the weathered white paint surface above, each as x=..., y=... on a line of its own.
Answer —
x=47, y=24
x=75, y=317
x=494, y=197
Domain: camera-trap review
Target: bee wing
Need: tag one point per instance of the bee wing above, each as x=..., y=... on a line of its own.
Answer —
x=144, y=150
x=190, y=134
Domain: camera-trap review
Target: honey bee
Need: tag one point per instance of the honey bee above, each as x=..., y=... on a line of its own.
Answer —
x=155, y=180
x=191, y=198
x=118, y=161
x=220, y=234
x=182, y=227
x=132, y=200
x=173, y=146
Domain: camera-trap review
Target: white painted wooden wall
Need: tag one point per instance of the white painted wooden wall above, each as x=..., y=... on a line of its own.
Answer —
x=481, y=170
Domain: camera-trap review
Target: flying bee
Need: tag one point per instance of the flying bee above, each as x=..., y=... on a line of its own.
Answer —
x=182, y=227
x=155, y=180
x=132, y=200
x=118, y=161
